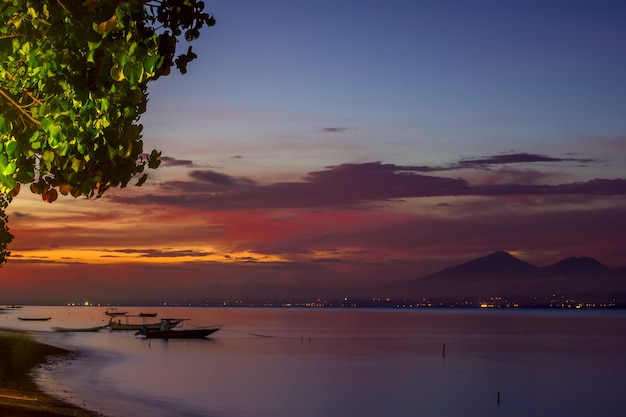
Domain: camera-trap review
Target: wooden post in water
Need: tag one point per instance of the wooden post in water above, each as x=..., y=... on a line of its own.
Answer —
x=498, y=398
x=444, y=351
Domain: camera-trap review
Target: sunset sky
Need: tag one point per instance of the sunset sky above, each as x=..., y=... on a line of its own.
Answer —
x=330, y=146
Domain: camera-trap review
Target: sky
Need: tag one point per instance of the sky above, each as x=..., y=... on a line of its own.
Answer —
x=331, y=147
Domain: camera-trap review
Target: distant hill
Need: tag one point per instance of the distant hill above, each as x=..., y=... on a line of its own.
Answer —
x=578, y=267
x=498, y=265
x=500, y=272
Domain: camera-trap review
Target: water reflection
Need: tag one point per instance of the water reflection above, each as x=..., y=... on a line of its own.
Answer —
x=281, y=362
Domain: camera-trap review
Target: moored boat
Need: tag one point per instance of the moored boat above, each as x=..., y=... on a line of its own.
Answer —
x=167, y=332
x=34, y=318
x=113, y=311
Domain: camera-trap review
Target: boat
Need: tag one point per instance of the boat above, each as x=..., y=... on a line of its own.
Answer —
x=168, y=332
x=147, y=314
x=79, y=329
x=136, y=322
x=112, y=311
x=34, y=318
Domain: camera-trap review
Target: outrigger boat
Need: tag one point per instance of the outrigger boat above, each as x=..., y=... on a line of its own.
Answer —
x=112, y=311
x=136, y=322
x=168, y=332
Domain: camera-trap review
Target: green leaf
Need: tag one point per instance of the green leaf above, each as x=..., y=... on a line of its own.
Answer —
x=117, y=73
x=9, y=169
x=143, y=179
x=94, y=45
x=46, y=124
x=47, y=156
x=154, y=161
x=76, y=165
x=55, y=131
x=11, y=148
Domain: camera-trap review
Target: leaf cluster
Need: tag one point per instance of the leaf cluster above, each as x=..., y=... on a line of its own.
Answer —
x=5, y=236
x=73, y=85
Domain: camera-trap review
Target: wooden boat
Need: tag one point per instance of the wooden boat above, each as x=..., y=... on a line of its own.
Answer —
x=34, y=318
x=136, y=322
x=167, y=332
x=112, y=311
x=197, y=333
x=79, y=329
x=147, y=314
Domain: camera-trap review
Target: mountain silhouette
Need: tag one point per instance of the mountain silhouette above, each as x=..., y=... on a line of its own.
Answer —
x=502, y=273
x=578, y=268
x=498, y=265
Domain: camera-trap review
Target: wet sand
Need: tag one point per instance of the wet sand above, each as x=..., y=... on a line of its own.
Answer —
x=19, y=395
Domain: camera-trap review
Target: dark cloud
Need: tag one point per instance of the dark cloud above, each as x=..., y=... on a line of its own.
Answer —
x=514, y=158
x=354, y=184
x=594, y=187
x=334, y=129
x=169, y=161
x=21, y=215
x=216, y=178
x=159, y=253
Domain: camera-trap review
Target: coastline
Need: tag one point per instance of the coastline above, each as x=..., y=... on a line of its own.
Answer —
x=19, y=394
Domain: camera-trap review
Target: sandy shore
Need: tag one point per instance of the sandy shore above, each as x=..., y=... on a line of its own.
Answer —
x=19, y=395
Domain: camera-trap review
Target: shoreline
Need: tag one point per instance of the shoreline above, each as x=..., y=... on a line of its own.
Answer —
x=20, y=396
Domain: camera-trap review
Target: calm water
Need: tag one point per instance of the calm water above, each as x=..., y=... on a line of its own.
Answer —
x=317, y=362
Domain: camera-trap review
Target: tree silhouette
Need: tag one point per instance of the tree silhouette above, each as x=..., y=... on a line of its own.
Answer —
x=73, y=85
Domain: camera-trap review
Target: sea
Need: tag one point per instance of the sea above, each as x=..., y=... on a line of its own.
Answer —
x=306, y=362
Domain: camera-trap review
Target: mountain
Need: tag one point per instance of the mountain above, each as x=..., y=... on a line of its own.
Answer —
x=502, y=273
x=577, y=268
x=498, y=265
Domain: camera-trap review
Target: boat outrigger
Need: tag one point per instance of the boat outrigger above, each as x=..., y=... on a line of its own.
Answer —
x=79, y=329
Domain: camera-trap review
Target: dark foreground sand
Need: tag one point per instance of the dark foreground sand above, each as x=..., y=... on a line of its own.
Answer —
x=19, y=395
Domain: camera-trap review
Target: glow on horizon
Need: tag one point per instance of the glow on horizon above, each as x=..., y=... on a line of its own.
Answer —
x=137, y=256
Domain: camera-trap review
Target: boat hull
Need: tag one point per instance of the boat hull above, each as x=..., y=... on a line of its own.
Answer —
x=199, y=333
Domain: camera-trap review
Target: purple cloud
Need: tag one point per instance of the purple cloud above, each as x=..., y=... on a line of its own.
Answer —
x=222, y=180
x=169, y=161
x=355, y=184
x=160, y=253
x=514, y=158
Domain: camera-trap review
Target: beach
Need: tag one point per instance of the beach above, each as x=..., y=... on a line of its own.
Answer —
x=19, y=395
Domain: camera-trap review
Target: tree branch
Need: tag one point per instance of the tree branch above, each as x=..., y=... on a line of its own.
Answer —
x=19, y=108
x=9, y=36
x=32, y=97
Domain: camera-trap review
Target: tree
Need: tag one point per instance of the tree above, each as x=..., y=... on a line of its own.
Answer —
x=73, y=85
